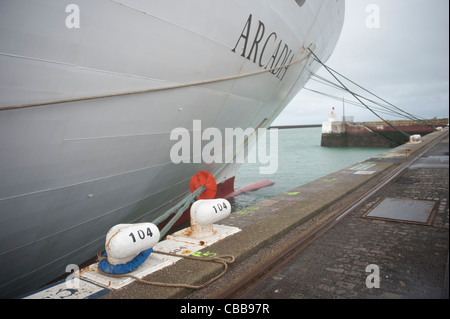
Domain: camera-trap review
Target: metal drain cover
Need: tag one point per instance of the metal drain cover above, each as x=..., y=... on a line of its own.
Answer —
x=403, y=210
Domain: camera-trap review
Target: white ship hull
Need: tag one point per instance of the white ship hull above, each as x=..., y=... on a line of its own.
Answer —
x=81, y=150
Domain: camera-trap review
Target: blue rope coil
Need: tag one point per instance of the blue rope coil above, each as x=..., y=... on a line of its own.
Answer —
x=121, y=269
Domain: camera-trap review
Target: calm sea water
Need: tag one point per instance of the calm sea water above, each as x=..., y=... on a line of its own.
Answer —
x=301, y=160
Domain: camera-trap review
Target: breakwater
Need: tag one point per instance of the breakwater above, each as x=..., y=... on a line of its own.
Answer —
x=376, y=134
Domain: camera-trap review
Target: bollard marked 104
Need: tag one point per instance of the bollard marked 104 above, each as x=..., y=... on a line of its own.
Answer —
x=141, y=234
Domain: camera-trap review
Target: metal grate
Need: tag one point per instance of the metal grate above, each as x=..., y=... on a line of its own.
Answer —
x=403, y=210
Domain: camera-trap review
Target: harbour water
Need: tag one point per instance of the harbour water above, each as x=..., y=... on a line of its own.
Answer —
x=301, y=160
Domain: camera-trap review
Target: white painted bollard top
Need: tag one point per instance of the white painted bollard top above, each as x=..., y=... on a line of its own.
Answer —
x=206, y=212
x=125, y=241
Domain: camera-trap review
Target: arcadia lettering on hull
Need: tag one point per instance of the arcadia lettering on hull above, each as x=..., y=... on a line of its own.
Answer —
x=257, y=49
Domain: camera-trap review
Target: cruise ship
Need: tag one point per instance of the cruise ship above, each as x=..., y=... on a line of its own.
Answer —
x=92, y=91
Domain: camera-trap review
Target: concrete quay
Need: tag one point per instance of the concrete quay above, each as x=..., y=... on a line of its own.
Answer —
x=412, y=259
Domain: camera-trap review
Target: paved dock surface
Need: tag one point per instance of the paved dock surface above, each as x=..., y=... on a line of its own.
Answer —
x=412, y=259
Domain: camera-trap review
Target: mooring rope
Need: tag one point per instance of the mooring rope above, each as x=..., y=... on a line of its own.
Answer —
x=355, y=95
x=169, y=87
x=408, y=115
x=178, y=209
x=219, y=259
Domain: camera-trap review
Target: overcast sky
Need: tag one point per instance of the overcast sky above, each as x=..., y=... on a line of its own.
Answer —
x=405, y=61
